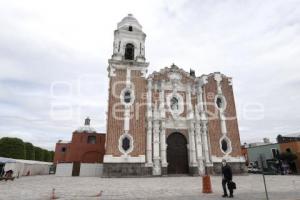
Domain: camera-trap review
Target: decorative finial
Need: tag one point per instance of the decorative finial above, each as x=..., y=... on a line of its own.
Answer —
x=173, y=66
x=87, y=121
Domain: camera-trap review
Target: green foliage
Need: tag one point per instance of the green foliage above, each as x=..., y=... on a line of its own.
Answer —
x=16, y=148
x=288, y=156
x=29, y=149
x=39, y=154
x=51, y=156
x=46, y=155
x=12, y=148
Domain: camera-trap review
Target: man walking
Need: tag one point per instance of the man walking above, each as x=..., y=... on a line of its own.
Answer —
x=227, y=178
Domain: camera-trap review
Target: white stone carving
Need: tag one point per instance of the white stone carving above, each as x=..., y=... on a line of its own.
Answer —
x=192, y=151
x=174, y=77
x=218, y=77
x=202, y=80
x=176, y=123
x=199, y=148
x=179, y=109
x=156, y=157
x=149, y=127
x=163, y=145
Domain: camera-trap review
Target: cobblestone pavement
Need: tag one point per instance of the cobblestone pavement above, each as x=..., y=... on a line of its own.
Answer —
x=162, y=188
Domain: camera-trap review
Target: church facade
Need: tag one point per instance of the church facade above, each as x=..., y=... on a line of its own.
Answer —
x=167, y=122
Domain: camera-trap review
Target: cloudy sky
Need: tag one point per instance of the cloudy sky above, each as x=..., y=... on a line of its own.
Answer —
x=53, y=59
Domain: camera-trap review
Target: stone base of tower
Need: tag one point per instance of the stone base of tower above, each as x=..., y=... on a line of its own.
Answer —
x=164, y=171
x=193, y=171
x=111, y=170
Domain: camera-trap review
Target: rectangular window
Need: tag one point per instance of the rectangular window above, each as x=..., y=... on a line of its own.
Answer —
x=91, y=139
x=63, y=149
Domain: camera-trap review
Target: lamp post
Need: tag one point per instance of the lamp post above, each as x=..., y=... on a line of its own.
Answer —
x=262, y=172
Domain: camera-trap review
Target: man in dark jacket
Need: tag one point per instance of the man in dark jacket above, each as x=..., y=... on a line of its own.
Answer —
x=227, y=178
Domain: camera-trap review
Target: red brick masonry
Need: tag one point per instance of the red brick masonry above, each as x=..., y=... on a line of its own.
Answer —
x=79, y=150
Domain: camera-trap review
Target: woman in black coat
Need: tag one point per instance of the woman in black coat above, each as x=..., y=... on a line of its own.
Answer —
x=227, y=179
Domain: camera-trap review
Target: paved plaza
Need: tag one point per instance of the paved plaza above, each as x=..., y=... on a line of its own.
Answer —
x=162, y=188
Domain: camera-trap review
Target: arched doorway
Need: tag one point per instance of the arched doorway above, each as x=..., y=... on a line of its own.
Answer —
x=177, y=155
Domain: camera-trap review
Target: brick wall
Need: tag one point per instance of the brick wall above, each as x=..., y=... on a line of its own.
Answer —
x=79, y=150
x=115, y=125
x=214, y=127
x=59, y=155
x=295, y=148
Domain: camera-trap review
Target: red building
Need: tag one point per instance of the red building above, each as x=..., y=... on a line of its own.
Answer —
x=244, y=150
x=86, y=146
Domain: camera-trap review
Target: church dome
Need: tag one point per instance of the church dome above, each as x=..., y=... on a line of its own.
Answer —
x=86, y=127
x=129, y=20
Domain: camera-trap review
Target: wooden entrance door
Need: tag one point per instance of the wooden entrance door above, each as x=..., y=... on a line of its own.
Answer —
x=177, y=156
x=76, y=169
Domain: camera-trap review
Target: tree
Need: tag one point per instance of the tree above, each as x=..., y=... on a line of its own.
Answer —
x=46, y=155
x=288, y=156
x=51, y=156
x=39, y=153
x=29, y=149
x=12, y=148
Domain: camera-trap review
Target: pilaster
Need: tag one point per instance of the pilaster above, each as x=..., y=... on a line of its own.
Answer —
x=156, y=156
x=149, y=125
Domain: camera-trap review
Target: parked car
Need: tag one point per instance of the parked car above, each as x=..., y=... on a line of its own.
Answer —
x=254, y=170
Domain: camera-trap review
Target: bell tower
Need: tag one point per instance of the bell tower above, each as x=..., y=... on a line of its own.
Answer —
x=129, y=41
x=126, y=126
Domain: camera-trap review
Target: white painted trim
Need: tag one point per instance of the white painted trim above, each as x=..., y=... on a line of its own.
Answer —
x=112, y=71
x=176, y=124
x=124, y=159
x=216, y=159
x=131, y=143
x=132, y=95
x=229, y=146
x=224, y=102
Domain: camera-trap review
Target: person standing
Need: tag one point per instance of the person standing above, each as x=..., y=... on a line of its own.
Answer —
x=227, y=178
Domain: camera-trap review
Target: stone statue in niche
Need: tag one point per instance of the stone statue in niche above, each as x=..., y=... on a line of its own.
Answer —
x=174, y=104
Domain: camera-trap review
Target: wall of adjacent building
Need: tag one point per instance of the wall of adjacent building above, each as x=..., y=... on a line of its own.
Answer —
x=79, y=150
x=59, y=155
x=91, y=169
x=64, y=169
x=265, y=151
x=295, y=148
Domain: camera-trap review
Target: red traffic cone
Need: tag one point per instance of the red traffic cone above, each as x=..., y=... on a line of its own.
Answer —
x=53, y=195
x=206, y=184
